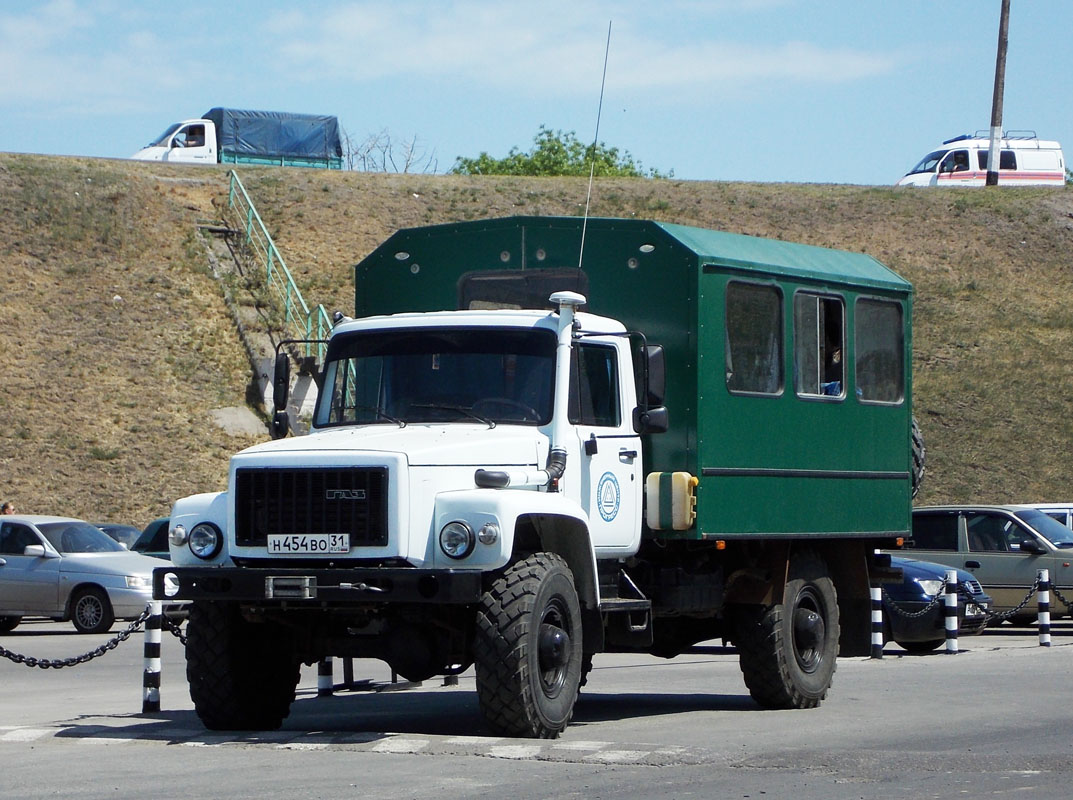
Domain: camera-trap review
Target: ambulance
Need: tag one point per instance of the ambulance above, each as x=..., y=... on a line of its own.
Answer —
x=1024, y=160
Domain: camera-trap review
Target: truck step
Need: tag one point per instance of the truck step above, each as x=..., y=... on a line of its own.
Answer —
x=614, y=605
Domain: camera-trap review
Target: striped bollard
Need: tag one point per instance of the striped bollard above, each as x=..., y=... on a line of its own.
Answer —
x=1043, y=600
x=950, y=609
x=877, y=621
x=325, y=677
x=151, y=652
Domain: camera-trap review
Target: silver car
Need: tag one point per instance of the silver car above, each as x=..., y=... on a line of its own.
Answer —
x=1002, y=546
x=67, y=569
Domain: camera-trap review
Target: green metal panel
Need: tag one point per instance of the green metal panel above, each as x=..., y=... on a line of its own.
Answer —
x=768, y=466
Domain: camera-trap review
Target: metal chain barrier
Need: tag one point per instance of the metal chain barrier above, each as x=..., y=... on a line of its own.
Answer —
x=46, y=663
x=1001, y=616
x=1060, y=597
x=893, y=605
x=175, y=628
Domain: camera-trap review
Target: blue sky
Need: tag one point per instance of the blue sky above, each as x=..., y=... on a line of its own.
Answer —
x=844, y=91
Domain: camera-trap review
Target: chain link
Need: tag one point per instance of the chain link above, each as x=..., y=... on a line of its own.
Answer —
x=1005, y=615
x=45, y=663
x=175, y=628
x=892, y=604
x=1059, y=596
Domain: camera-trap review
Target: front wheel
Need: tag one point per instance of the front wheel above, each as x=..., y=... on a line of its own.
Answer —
x=787, y=651
x=8, y=624
x=528, y=649
x=91, y=610
x=242, y=675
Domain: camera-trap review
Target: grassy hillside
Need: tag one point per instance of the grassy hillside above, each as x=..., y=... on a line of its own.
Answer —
x=106, y=404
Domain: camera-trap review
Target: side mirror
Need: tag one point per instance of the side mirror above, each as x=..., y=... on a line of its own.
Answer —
x=651, y=420
x=281, y=382
x=34, y=551
x=657, y=375
x=281, y=425
x=1030, y=545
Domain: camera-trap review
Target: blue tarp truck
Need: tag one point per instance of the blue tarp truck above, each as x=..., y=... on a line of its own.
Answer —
x=235, y=136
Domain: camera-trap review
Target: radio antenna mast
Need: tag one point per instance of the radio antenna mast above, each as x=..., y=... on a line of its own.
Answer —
x=595, y=144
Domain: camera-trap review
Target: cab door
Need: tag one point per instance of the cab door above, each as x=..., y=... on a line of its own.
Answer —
x=601, y=400
x=190, y=145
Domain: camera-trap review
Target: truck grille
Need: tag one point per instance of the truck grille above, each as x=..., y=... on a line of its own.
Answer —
x=299, y=501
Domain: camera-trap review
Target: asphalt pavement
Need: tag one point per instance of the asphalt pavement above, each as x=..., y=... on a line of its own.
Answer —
x=992, y=720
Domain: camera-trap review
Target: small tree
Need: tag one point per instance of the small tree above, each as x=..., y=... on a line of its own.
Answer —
x=557, y=153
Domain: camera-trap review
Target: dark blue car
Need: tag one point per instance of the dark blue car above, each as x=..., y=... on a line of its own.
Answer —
x=921, y=582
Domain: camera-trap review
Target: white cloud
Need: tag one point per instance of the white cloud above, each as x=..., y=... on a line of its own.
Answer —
x=556, y=46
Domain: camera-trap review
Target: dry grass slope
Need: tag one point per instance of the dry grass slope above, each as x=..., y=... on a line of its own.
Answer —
x=106, y=404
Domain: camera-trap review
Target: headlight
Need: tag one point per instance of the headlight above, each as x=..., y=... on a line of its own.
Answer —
x=457, y=539
x=205, y=540
x=177, y=536
x=932, y=588
x=138, y=582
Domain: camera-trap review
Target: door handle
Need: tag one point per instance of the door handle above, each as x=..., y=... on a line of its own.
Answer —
x=972, y=565
x=631, y=454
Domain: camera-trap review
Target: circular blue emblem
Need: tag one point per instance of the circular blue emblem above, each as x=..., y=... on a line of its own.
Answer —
x=608, y=496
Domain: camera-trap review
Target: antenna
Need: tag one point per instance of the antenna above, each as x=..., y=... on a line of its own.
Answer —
x=595, y=142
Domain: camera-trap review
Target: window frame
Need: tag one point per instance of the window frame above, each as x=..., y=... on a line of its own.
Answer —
x=780, y=318
x=857, y=355
x=820, y=297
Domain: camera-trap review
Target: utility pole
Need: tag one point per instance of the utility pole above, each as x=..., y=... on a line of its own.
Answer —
x=996, y=100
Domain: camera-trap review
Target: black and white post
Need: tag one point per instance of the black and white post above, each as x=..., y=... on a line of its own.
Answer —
x=151, y=653
x=950, y=609
x=877, y=621
x=1043, y=602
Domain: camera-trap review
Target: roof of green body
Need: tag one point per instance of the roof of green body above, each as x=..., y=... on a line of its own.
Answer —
x=733, y=250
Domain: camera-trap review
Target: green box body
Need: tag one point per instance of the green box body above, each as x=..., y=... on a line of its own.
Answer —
x=777, y=465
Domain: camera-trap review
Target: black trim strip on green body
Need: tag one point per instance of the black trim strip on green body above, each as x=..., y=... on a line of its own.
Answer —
x=838, y=474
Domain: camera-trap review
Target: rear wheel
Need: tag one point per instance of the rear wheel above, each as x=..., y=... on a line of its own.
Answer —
x=91, y=610
x=8, y=624
x=528, y=649
x=787, y=651
x=242, y=675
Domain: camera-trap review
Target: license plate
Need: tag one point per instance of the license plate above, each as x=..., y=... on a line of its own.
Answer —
x=309, y=544
x=974, y=611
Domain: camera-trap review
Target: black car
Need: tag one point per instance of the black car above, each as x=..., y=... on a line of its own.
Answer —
x=921, y=582
x=154, y=540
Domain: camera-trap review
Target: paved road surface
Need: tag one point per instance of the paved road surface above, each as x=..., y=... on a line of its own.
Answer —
x=994, y=721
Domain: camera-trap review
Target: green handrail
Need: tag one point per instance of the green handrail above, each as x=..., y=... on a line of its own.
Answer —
x=297, y=318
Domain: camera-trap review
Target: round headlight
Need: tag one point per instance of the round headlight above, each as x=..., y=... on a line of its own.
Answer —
x=177, y=536
x=457, y=539
x=205, y=540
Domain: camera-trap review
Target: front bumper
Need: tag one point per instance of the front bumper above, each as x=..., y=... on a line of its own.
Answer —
x=359, y=586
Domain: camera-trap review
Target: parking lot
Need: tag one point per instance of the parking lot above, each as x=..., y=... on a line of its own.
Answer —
x=990, y=721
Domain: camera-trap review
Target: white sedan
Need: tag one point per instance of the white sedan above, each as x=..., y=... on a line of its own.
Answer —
x=67, y=569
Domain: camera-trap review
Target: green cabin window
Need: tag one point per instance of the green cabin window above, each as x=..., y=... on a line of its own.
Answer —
x=819, y=346
x=594, y=386
x=754, y=338
x=879, y=364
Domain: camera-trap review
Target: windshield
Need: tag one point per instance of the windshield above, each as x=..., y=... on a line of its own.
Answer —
x=475, y=375
x=79, y=537
x=162, y=139
x=929, y=162
x=1058, y=534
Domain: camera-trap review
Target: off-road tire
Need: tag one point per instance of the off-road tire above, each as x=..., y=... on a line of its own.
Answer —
x=521, y=692
x=91, y=610
x=8, y=624
x=919, y=457
x=242, y=675
x=787, y=651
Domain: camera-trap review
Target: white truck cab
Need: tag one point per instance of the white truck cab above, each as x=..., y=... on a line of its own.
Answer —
x=192, y=141
x=1024, y=160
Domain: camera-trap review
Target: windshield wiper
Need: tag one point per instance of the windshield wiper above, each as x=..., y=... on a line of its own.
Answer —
x=381, y=413
x=460, y=409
